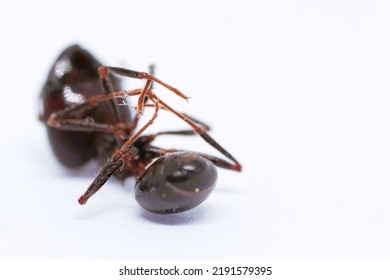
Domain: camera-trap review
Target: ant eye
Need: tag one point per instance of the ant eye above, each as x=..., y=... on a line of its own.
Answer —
x=175, y=183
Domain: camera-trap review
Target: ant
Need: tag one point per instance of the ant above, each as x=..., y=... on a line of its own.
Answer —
x=84, y=122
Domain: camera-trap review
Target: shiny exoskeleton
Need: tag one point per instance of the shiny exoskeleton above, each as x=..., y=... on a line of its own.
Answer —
x=71, y=81
x=84, y=120
x=175, y=183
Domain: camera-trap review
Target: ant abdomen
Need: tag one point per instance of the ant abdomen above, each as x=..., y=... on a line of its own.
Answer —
x=175, y=183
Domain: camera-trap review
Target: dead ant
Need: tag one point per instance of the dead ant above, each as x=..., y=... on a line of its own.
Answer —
x=83, y=122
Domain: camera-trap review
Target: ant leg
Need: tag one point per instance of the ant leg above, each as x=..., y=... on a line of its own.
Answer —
x=151, y=71
x=71, y=119
x=220, y=162
x=107, y=86
x=105, y=70
x=202, y=133
x=184, y=132
x=140, y=75
x=205, y=126
x=115, y=161
x=158, y=152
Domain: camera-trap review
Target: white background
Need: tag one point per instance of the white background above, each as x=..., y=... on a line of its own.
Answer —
x=298, y=91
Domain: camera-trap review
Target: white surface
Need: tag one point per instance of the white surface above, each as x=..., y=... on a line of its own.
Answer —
x=298, y=91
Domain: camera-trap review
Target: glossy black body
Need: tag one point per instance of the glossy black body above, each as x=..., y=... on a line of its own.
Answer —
x=84, y=121
x=175, y=183
x=73, y=79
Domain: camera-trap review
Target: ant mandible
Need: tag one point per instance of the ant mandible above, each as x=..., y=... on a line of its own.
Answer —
x=84, y=122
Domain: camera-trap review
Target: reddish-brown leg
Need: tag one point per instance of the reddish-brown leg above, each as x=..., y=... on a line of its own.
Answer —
x=202, y=133
x=157, y=152
x=107, y=86
x=105, y=70
x=69, y=118
x=200, y=129
x=116, y=160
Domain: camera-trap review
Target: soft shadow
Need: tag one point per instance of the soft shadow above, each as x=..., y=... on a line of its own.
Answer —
x=221, y=189
x=189, y=217
x=98, y=212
